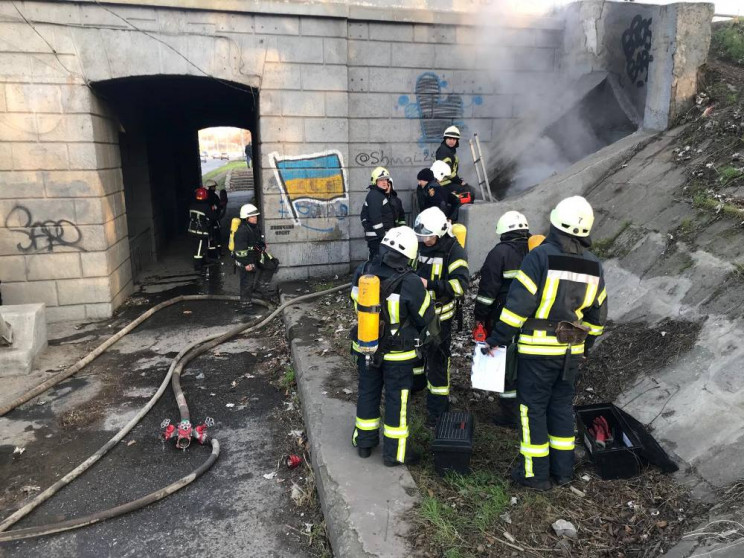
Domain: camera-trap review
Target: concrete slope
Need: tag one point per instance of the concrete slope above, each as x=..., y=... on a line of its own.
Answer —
x=667, y=259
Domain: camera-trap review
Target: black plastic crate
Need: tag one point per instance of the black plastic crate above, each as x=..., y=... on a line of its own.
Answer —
x=621, y=460
x=453, y=443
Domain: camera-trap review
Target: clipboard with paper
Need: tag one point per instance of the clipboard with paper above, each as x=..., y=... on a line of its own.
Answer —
x=489, y=370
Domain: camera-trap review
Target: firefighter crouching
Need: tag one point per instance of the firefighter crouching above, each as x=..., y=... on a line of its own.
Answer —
x=443, y=269
x=201, y=219
x=407, y=313
x=499, y=270
x=558, y=307
x=256, y=265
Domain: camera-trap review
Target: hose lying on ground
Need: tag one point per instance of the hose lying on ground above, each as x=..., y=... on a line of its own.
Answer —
x=57, y=378
x=179, y=362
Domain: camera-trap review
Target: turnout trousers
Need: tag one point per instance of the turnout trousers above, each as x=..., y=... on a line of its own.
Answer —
x=200, y=245
x=438, y=372
x=546, y=419
x=397, y=380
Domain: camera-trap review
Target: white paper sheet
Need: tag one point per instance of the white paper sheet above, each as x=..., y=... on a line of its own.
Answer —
x=489, y=370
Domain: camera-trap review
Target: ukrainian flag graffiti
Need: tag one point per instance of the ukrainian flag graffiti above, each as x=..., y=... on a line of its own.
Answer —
x=317, y=178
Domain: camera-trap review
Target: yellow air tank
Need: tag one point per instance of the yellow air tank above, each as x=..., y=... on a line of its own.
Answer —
x=461, y=233
x=234, y=224
x=534, y=241
x=368, y=314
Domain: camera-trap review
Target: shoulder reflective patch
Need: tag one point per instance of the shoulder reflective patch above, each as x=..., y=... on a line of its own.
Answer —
x=511, y=274
x=527, y=283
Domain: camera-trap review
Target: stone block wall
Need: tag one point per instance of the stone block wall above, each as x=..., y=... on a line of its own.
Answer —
x=63, y=234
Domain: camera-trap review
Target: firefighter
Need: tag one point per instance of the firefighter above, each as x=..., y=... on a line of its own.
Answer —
x=447, y=152
x=443, y=269
x=378, y=214
x=256, y=265
x=448, y=202
x=201, y=216
x=557, y=304
x=407, y=311
x=499, y=270
x=215, y=230
x=399, y=213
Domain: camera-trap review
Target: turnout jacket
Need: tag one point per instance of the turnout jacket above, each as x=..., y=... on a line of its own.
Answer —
x=499, y=270
x=378, y=214
x=249, y=244
x=445, y=267
x=559, y=280
x=433, y=195
x=201, y=216
x=449, y=155
x=408, y=304
x=398, y=213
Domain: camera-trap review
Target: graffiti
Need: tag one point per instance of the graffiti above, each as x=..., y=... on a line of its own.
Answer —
x=378, y=157
x=42, y=235
x=636, y=41
x=281, y=230
x=312, y=187
x=433, y=110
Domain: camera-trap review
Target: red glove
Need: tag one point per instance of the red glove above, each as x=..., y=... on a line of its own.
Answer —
x=479, y=332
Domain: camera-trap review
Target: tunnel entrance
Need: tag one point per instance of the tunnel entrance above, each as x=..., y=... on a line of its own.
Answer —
x=160, y=118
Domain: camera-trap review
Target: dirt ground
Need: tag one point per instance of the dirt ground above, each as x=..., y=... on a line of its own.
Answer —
x=640, y=517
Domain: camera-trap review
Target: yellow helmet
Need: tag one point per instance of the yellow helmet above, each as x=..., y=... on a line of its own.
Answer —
x=377, y=174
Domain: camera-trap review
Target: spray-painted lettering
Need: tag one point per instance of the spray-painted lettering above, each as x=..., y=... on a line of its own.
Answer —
x=636, y=42
x=42, y=235
x=379, y=157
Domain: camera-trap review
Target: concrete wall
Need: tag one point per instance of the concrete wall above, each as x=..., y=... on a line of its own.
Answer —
x=653, y=53
x=342, y=87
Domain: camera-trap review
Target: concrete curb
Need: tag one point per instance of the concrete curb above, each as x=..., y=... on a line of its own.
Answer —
x=366, y=505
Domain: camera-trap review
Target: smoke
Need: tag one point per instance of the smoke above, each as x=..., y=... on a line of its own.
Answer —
x=555, y=119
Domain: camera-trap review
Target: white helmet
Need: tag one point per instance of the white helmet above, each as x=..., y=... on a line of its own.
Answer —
x=403, y=240
x=511, y=221
x=573, y=215
x=248, y=210
x=440, y=170
x=431, y=222
x=452, y=132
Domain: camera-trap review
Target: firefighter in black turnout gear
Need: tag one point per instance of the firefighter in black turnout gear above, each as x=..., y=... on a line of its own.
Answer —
x=407, y=312
x=201, y=219
x=256, y=265
x=443, y=269
x=558, y=306
x=499, y=270
x=378, y=214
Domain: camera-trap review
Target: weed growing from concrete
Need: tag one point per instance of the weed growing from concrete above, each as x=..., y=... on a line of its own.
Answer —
x=603, y=248
x=288, y=380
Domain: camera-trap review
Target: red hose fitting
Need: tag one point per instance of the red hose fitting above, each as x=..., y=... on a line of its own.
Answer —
x=200, y=432
x=168, y=431
x=184, y=434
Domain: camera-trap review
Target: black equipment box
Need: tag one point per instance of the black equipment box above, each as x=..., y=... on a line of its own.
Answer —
x=453, y=443
x=620, y=459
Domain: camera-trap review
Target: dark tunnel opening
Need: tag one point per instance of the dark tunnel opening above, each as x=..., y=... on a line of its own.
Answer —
x=160, y=118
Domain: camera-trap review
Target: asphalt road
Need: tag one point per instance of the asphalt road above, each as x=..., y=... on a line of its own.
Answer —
x=233, y=510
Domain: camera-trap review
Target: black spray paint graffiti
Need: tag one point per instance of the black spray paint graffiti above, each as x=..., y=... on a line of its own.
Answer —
x=42, y=235
x=636, y=41
x=379, y=157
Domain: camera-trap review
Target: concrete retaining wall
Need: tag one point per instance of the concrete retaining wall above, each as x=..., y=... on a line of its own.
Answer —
x=341, y=87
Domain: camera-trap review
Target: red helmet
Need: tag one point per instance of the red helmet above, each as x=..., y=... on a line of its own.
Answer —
x=201, y=194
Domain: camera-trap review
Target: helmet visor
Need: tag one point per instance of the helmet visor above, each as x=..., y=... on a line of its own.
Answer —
x=422, y=231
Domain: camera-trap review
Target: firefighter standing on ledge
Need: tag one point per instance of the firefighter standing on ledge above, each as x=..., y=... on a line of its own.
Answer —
x=558, y=306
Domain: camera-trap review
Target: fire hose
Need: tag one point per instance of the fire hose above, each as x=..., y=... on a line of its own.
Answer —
x=173, y=375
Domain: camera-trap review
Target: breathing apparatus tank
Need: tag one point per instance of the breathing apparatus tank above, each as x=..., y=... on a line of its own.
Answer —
x=368, y=314
x=534, y=241
x=461, y=233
